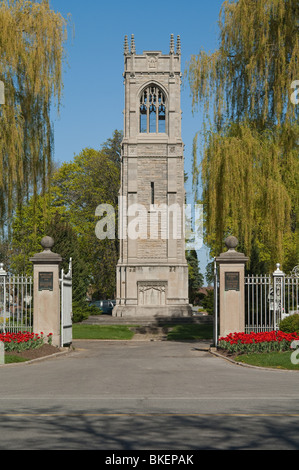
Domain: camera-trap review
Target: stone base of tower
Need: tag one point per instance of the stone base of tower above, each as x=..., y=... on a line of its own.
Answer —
x=152, y=291
x=169, y=311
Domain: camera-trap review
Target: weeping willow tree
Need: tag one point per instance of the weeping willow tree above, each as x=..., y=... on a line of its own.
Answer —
x=31, y=57
x=250, y=130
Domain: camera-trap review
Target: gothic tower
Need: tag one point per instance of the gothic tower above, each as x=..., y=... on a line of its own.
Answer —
x=152, y=272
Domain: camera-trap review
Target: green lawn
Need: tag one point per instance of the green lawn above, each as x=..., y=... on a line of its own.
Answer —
x=11, y=359
x=190, y=332
x=277, y=360
x=116, y=332
x=121, y=332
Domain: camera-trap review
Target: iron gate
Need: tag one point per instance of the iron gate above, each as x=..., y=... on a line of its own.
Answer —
x=66, y=306
x=269, y=299
x=216, y=305
x=16, y=302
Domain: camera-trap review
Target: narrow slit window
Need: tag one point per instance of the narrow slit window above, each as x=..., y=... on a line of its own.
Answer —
x=152, y=193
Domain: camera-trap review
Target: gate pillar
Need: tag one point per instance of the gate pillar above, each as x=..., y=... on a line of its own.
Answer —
x=231, y=289
x=278, y=296
x=46, y=298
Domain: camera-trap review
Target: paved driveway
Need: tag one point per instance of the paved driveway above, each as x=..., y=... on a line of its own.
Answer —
x=146, y=395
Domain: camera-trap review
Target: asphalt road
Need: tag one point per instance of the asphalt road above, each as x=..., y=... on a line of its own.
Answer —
x=146, y=396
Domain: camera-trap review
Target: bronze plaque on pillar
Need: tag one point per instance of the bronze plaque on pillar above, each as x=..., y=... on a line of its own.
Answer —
x=232, y=281
x=45, y=281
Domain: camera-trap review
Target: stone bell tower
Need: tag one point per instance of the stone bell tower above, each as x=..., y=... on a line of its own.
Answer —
x=152, y=272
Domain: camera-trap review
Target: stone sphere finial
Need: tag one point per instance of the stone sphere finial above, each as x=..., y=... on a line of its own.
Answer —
x=2, y=271
x=231, y=242
x=47, y=243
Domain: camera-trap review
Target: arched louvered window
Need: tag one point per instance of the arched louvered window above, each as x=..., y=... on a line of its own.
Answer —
x=152, y=111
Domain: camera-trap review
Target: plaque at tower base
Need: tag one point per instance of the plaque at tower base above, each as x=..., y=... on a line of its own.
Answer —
x=152, y=272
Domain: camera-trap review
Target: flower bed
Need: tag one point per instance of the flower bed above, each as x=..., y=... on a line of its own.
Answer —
x=257, y=342
x=18, y=342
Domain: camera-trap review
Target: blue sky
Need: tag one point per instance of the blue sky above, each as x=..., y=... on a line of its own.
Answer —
x=93, y=98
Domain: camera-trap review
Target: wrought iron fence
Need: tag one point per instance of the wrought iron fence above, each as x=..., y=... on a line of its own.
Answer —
x=258, y=307
x=291, y=296
x=16, y=302
x=269, y=299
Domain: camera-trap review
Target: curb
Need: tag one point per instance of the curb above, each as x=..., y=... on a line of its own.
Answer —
x=39, y=359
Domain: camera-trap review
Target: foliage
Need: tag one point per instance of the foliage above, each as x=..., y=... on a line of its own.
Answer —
x=67, y=245
x=208, y=302
x=112, y=147
x=251, y=72
x=250, y=168
x=82, y=311
x=29, y=226
x=31, y=58
x=22, y=341
x=78, y=189
x=257, y=342
x=67, y=213
x=290, y=324
x=260, y=208
x=210, y=276
x=52, y=224
x=195, y=276
x=190, y=332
